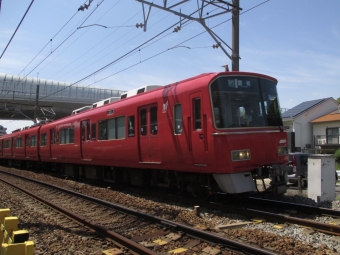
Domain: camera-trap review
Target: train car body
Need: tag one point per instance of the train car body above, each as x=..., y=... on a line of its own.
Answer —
x=189, y=135
x=22, y=146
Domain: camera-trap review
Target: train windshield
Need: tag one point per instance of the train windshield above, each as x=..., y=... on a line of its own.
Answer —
x=243, y=101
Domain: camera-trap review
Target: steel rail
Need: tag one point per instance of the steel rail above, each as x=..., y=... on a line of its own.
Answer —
x=101, y=230
x=231, y=244
x=300, y=207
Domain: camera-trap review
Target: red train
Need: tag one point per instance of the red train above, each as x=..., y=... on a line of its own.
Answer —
x=213, y=132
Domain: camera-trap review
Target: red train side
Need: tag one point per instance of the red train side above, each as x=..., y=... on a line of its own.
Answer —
x=189, y=135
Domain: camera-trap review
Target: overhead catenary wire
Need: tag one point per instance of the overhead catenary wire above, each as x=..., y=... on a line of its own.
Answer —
x=138, y=47
x=16, y=28
x=115, y=48
x=48, y=42
x=178, y=45
x=60, y=43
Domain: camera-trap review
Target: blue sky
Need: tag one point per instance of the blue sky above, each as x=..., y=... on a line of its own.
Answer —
x=297, y=42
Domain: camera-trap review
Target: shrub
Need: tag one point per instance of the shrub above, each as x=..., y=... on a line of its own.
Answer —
x=337, y=156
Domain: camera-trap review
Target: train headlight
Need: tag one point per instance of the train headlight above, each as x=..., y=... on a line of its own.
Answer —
x=282, y=150
x=240, y=155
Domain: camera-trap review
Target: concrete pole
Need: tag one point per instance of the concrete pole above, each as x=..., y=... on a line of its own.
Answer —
x=236, y=35
x=36, y=107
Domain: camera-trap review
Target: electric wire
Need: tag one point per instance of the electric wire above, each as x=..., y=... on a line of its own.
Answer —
x=116, y=48
x=118, y=59
x=126, y=54
x=179, y=44
x=59, y=44
x=109, y=64
x=93, y=47
x=16, y=28
x=48, y=43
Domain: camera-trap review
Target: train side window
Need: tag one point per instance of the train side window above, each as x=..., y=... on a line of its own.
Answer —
x=197, y=113
x=102, y=130
x=120, y=128
x=7, y=144
x=131, y=126
x=33, y=141
x=143, y=130
x=93, y=131
x=153, y=118
x=111, y=129
x=67, y=135
x=43, y=139
x=178, y=119
x=18, y=143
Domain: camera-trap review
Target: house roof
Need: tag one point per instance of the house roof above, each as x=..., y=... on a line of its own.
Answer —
x=333, y=116
x=303, y=107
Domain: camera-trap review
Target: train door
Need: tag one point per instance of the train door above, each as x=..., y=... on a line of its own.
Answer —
x=85, y=139
x=1, y=142
x=53, y=135
x=12, y=145
x=27, y=143
x=148, y=134
x=198, y=130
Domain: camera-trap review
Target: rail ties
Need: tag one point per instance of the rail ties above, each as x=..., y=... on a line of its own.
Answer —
x=174, y=238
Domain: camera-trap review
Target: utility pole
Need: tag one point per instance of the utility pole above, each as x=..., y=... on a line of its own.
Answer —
x=236, y=36
x=36, y=107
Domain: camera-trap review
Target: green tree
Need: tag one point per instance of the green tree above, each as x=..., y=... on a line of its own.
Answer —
x=338, y=100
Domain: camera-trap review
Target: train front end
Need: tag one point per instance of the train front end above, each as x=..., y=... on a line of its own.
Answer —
x=249, y=141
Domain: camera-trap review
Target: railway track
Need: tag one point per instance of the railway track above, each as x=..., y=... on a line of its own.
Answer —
x=139, y=232
x=249, y=235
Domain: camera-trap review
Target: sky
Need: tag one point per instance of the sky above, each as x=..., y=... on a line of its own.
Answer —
x=296, y=42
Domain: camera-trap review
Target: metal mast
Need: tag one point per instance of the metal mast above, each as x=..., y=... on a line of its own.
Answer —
x=223, y=6
x=236, y=36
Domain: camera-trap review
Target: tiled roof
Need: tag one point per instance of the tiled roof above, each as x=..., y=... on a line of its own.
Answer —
x=333, y=116
x=304, y=106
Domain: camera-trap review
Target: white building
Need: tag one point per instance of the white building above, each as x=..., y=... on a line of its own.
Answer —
x=298, y=119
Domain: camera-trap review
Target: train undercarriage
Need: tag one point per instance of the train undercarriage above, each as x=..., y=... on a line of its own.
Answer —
x=198, y=185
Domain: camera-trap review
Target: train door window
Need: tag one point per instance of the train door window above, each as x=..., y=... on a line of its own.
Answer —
x=197, y=113
x=33, y=141
x=27, y=141
x=88, y=129
x=52, y=134
x=7, y=144
x=83, y=131
x=93, y=131
x=57, y=137
x=153, y=118
x=178, y=119
x=43, y=139
x=131, y=126
x=143, y=130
